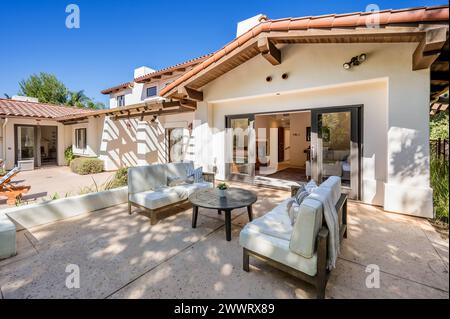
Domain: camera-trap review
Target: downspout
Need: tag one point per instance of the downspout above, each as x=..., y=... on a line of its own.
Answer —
x=4, y=140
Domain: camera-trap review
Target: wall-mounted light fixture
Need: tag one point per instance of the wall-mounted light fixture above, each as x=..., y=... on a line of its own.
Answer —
x=356, y=60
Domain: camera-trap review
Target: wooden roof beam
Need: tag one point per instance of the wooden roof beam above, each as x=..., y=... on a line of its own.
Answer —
x=269, y=51
x=429, y=48
x=192, y=94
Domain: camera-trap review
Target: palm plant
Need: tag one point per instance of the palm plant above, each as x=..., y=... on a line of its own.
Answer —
x=77, y=99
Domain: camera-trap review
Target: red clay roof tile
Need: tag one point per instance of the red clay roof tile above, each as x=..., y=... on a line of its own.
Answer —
x=37, y=110
x=357, y=19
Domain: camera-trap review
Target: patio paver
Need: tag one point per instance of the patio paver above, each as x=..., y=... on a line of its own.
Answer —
x=122, y=256
x=47, y=181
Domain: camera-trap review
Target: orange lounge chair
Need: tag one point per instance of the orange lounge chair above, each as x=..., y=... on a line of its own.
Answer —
x=10, y=191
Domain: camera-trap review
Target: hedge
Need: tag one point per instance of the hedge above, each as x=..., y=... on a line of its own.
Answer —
x=84, y=165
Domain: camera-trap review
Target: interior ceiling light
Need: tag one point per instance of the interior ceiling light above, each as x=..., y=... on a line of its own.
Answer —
x=356, y=60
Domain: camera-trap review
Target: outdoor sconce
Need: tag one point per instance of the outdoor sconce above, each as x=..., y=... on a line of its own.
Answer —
x=356, y=60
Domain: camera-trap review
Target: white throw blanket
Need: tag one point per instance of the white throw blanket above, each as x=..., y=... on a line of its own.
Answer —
x=332, y=220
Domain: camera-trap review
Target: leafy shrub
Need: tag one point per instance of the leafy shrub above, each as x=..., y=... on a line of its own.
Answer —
x=439, y=182
x=439, y=126
x=120, y=178
x=68, y=155
x=85, y=166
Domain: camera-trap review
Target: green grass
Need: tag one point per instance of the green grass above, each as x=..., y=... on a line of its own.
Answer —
x=439, y=183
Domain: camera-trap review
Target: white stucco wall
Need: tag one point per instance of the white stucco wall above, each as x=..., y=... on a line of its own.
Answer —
x=138, y=93
x=395, y=99
x=132, y=142
x=8, y=143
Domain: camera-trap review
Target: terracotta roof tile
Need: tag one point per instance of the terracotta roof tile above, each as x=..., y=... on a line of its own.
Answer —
x=149, y=76
x=117, y=88
x=352, y=20
x=36, y=110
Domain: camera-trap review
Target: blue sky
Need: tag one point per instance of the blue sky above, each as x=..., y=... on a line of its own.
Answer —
x=117, y=36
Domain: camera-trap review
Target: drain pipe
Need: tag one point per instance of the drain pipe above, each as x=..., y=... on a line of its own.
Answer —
x=4, y=140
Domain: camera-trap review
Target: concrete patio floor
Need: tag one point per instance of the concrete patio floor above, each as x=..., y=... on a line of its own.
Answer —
x=47, y=181
x=122, y=256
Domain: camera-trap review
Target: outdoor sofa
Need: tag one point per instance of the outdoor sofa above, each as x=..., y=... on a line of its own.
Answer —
x=299, y=249
x=149, y=186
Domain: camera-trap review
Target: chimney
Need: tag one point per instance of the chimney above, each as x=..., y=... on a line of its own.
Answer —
x=246, y=25
x=24, y=98
x=143, y=70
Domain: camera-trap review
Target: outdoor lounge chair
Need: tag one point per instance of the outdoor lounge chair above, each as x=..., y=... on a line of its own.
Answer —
x=299, y=249
x=10, y=191
x=148, y=189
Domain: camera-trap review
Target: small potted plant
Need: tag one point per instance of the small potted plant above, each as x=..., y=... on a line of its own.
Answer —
x=222, y=188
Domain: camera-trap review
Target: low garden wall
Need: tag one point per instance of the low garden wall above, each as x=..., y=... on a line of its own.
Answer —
x=32, y=215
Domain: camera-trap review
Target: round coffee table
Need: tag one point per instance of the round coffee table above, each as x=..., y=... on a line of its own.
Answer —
x=234, y=198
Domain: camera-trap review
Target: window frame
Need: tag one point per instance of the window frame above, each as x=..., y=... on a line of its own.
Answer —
x=120, y=100
x=84, y=143
x=155, y=87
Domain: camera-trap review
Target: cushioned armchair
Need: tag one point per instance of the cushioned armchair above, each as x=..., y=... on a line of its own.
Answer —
x=299, y=249
x=148, y=187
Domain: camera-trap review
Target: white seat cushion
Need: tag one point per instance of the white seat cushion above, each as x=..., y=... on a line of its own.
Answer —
x=7, y=237
x=277, y=249
x=185, y=190
x=156, y=199
x=275, y=223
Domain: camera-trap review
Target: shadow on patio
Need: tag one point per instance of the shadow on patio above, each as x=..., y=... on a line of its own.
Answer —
x=122, y=256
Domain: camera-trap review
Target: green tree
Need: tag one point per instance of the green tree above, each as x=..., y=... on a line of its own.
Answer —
x=46, y=87
x=77, y=99
x=94, y=105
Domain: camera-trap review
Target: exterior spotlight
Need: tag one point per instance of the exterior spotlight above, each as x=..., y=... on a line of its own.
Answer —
x=362, y=58
x=355, y=61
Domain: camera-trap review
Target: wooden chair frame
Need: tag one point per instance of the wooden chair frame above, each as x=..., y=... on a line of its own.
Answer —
x=153, y=213
x=321, y=278
x=12, y=192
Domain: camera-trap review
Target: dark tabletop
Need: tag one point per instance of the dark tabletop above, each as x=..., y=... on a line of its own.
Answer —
x=235, y=198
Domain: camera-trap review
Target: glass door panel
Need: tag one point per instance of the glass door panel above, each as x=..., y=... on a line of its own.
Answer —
x=177, y=139
x=336, y=147
x=26, y=142
x=241, y=131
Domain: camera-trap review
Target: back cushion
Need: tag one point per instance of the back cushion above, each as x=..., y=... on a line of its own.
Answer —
x=177, y=169
x=145, y=178
x=306, y=228
x=334, y=184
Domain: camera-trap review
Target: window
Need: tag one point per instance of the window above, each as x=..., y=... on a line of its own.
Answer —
x=80, y=138
x=151, y=91
x=121, y=100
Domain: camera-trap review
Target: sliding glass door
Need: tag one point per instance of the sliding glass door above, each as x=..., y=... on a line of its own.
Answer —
x=240, y=137
x=336, y=146
x=26, y=142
